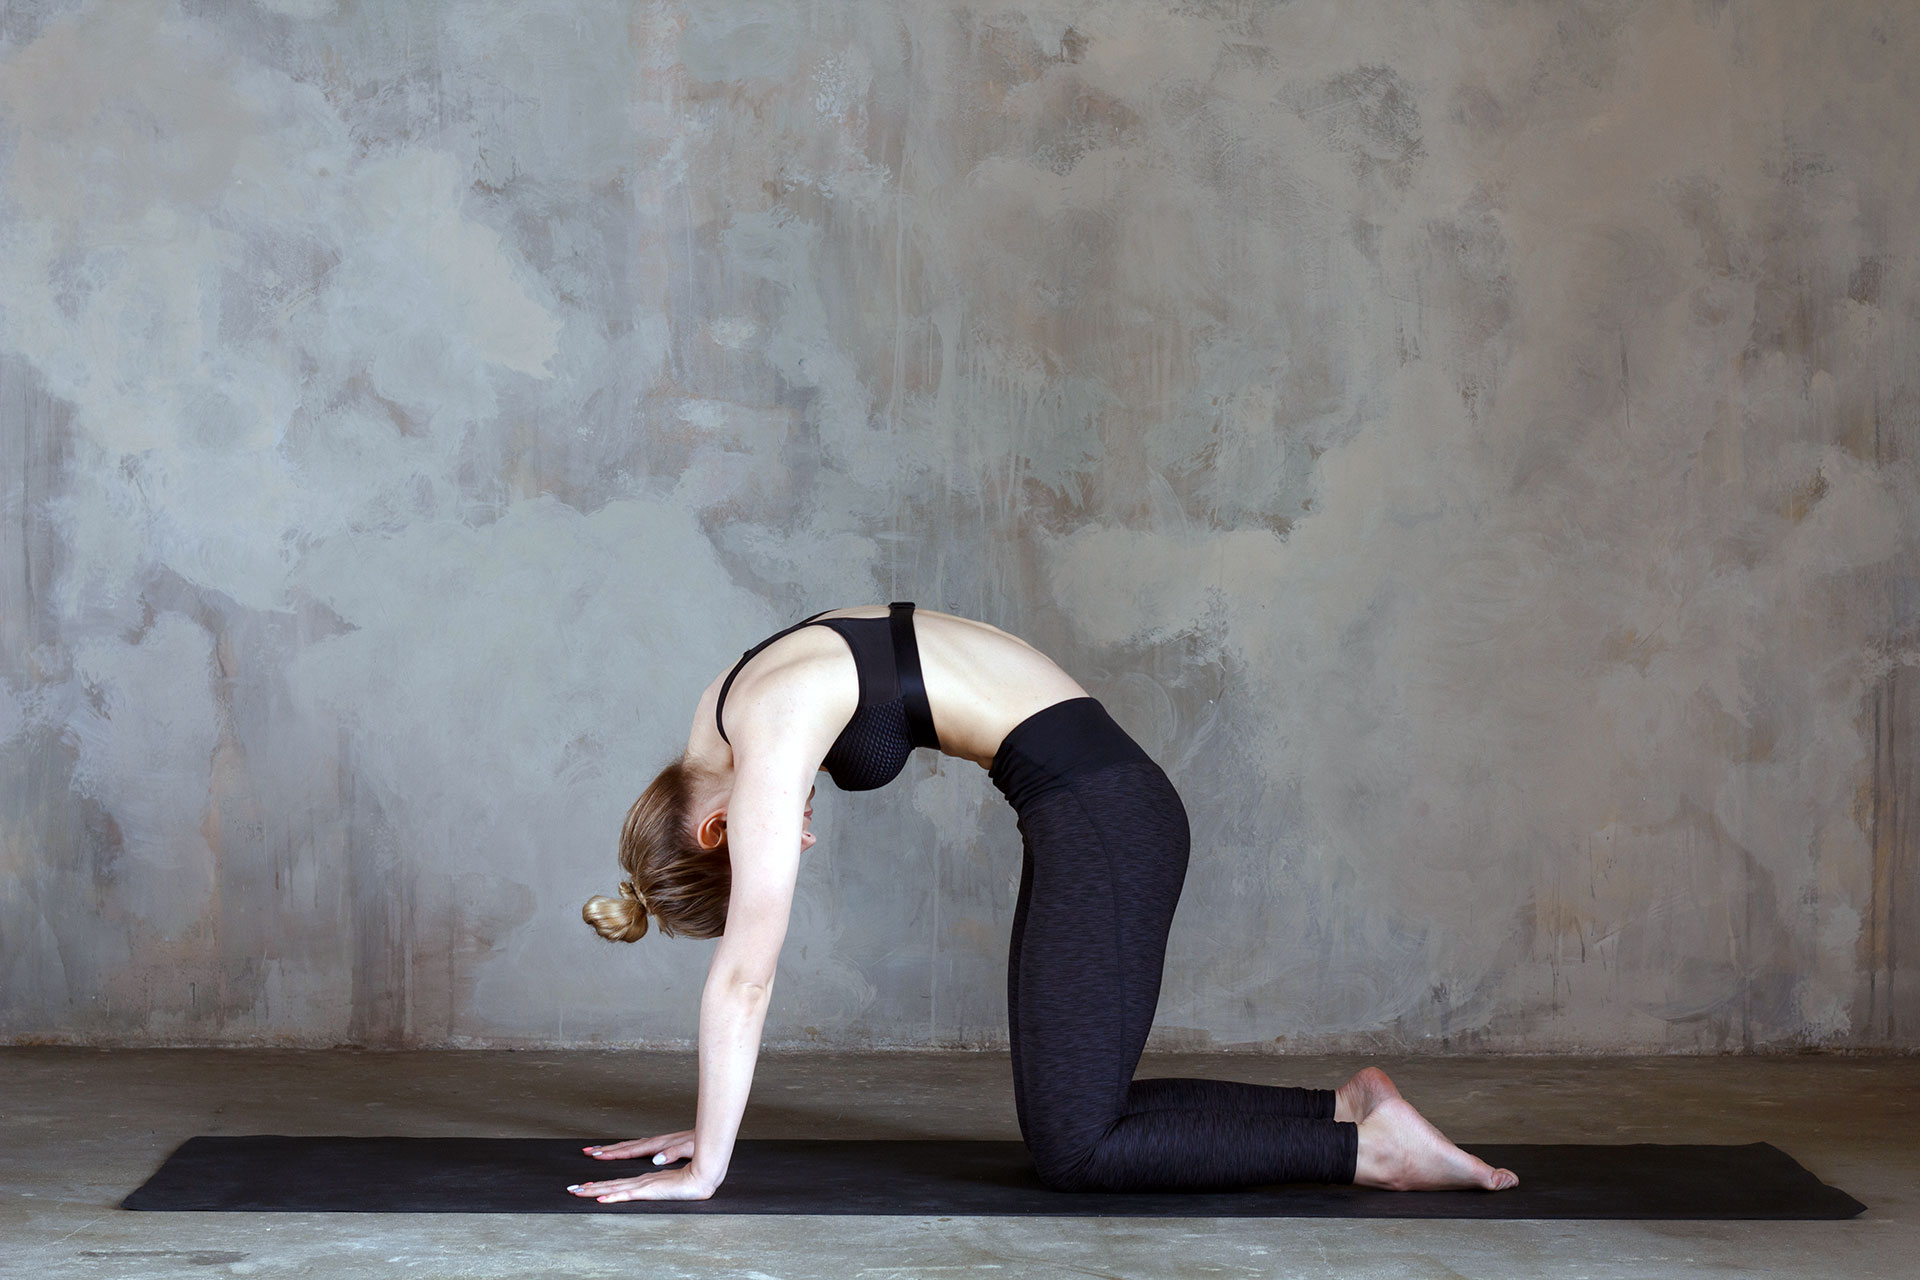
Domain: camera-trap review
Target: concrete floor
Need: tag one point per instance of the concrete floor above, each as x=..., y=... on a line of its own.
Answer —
x=81, y=1128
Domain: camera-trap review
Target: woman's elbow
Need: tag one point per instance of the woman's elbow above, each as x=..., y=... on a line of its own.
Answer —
x=745, y=986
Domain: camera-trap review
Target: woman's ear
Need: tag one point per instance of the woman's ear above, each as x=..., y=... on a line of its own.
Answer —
x=712, y=832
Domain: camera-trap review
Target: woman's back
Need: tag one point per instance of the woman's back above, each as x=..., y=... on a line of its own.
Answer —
x=980, y=681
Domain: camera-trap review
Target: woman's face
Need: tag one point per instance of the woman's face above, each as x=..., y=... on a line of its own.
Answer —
x=806, y=821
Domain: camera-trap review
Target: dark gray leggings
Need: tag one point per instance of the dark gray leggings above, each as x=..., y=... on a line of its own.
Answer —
x=1106, y=845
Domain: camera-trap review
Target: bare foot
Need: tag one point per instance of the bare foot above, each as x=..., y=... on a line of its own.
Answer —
x=1401, y=1151
x=1356, y=1099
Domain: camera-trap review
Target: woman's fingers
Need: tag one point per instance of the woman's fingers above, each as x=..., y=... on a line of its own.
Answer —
x=611, y=1186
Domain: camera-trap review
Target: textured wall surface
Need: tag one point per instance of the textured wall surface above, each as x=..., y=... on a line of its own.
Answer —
x=1472, y=444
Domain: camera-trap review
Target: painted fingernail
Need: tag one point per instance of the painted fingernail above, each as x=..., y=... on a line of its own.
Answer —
x=661, y=1158
x=574, y=1187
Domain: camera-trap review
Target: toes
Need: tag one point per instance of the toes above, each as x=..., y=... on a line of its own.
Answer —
x=1492, y=1179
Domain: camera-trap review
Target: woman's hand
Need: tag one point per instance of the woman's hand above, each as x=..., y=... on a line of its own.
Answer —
x=668, y=1184
x=664, y=1149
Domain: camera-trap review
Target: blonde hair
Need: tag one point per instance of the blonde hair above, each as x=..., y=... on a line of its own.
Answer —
x=669, y=875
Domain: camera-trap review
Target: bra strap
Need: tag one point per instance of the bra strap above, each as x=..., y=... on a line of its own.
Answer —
x=913, y=687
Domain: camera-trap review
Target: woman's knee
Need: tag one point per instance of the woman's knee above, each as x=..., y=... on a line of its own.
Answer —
x=1066, y=1163
x=1063, y=1175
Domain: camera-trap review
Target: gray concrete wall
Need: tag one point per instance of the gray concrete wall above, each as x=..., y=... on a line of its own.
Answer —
x=1472, y=444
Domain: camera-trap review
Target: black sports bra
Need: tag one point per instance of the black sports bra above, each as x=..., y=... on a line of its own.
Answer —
x=893, y=716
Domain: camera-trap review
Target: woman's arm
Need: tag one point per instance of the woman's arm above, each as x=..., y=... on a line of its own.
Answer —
x=763, y=835
x=771, y=781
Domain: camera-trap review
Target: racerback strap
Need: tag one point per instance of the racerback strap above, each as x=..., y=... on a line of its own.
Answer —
x=913, y=687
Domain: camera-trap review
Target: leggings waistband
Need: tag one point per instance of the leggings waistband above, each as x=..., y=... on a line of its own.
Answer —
x=1052, y=745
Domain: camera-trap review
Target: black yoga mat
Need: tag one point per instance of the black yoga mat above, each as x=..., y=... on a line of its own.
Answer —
x=530, y=1175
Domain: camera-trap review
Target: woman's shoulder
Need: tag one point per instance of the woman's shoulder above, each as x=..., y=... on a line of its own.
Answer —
x=805, y=675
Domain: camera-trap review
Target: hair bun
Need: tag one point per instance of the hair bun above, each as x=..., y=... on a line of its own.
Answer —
x=621, y=919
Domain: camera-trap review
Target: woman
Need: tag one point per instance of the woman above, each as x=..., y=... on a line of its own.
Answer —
x=712, y=848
